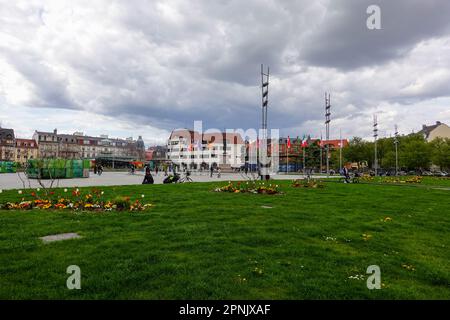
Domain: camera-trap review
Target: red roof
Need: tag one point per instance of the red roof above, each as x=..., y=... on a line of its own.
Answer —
x=26, y=143
x=335, y=143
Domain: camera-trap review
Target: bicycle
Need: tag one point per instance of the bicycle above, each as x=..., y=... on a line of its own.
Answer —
x=185, y=178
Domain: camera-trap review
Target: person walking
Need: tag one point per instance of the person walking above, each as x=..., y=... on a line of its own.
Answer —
x=100, y=170
x=156, y=170
x=212, y=171
x=218, y=172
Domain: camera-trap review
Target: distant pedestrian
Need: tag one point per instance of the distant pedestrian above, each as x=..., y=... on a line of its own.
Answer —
x=148, y=179
x=218, y=172
x=346, y=174
x=156, y=170
x=212, y=171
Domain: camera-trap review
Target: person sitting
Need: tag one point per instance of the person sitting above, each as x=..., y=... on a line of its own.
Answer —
x=148, y=178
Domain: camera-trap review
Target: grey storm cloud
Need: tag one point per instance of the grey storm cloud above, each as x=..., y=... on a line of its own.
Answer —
x=168, y=63
x=343, y=40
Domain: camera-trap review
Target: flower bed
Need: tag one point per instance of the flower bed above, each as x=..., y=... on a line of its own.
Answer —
x=307, y=183
x=76, y=200
x=415, y=179
x=250, y=187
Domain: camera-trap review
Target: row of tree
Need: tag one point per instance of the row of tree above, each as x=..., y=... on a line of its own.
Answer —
x=414, y=153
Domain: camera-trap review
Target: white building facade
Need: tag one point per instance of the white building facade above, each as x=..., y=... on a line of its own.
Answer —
x=187, y=148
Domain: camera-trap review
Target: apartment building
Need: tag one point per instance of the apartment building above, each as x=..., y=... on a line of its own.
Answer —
x=194, y=150
x=25, y=150
x=7, y=144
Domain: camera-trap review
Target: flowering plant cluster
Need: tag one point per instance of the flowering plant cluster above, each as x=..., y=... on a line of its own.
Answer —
x=307, y=183
x=250, y=187
x=92, y=201
x=415, y=179
x=366, y=178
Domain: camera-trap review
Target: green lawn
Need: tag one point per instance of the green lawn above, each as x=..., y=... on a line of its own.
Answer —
x=198, y=244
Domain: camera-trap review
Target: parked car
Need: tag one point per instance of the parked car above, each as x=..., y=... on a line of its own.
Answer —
x=440, y=174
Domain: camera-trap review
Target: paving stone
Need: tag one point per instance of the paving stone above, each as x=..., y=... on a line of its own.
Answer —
x=60, y=237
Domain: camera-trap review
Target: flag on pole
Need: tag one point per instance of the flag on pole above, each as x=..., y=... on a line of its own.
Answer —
x=289, y=142
x=304, y=142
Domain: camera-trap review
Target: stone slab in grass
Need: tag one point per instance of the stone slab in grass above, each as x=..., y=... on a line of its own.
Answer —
x=266, y=207
x=60, y=237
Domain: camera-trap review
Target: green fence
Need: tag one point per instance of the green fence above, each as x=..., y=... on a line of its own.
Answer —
x=58, y=169
x=8, y=167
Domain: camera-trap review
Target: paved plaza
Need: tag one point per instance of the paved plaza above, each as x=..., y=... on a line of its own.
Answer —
x=13, y=181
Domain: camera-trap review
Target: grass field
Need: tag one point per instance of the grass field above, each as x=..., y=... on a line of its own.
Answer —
x=198, y=244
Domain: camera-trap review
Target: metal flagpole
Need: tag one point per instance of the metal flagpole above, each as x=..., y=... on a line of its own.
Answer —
x=304, y=161
x=321, y=151
x=287, y=157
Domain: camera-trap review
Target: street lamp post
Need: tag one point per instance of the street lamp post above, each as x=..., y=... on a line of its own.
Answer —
x=396, y=150
x=340, y=149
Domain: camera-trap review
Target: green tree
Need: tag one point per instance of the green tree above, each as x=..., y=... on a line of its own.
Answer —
x=440, y=153
x=415, y=152
x=358, y=150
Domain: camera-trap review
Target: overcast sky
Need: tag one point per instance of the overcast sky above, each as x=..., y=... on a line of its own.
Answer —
x=129, y=68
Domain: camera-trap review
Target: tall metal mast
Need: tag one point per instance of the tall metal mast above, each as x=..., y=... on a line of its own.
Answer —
x=375, y=136
x=264, y=105
x=327, y=125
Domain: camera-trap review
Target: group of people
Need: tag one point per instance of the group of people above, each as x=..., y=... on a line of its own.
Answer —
x=347, y=177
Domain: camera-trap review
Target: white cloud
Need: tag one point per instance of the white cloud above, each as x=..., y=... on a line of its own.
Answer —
x=151, y=66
